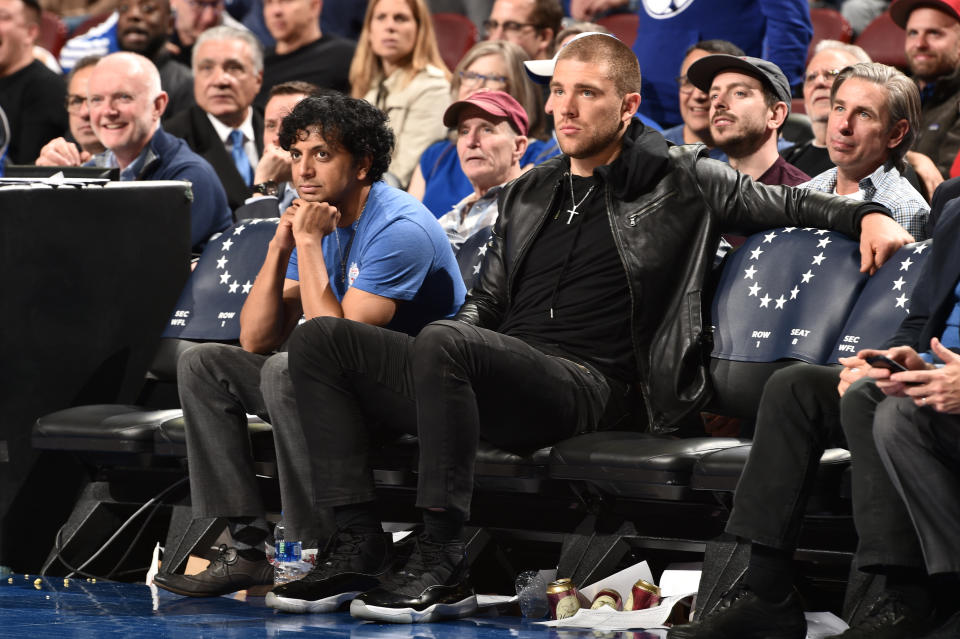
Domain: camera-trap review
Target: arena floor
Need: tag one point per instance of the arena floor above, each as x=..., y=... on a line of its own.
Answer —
x=50, y=607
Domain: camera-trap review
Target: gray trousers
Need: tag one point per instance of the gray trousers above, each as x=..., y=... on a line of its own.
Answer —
x=219, y=385
x=920, y=448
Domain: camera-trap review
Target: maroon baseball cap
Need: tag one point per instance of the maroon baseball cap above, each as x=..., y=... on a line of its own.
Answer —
x=495, y=103
x=900, y=9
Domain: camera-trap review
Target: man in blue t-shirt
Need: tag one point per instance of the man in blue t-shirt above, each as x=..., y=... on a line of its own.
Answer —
x=350, y=246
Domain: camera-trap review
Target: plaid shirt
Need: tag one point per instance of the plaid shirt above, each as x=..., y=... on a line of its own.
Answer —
x=886, y=187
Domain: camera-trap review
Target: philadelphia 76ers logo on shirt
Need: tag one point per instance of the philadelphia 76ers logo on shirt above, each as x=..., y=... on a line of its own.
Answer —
x=661, y=9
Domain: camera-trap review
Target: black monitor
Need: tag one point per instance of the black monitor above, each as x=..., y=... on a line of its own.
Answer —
x=76, y=172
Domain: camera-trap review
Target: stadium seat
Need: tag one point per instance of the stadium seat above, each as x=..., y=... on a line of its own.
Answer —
x=622, y=25
x=456, y=34
x=884, y=41
x=828, y=24
x=53, y=32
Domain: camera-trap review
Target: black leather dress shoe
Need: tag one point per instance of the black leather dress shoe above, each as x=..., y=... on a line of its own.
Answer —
x=744, y=615
x=227, y=573
x=434, y=584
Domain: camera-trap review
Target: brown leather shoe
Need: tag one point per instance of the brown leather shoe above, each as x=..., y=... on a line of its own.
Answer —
x=227, y=573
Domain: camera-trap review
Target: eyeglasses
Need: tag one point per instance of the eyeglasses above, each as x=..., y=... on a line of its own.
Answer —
x=686, y=86
x=829, y=75
x=510, y=26
x=471, y=78
x=75, y=103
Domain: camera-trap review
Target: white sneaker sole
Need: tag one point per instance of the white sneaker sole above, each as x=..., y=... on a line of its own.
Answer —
x=303, y=606
x=436, y=612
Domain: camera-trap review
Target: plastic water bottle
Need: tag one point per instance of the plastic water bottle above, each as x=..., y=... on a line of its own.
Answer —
x=287, y=565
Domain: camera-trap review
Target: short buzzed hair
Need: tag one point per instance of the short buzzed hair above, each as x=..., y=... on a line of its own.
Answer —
x=622, y=64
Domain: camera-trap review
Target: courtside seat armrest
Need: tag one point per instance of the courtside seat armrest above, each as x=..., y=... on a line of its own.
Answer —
x=100, y=428
x=634, y=465
x=720, y=470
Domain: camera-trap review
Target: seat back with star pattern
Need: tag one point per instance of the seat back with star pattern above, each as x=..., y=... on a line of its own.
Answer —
x=786, y=295
x=884, y=301
x=209, y=306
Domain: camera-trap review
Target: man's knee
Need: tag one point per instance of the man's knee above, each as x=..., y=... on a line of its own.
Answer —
x=311, y=338
x=439, y=340
x=806, y=384
x=859, y=404
x=275, y=378
x=201, y=360
x=892, y=425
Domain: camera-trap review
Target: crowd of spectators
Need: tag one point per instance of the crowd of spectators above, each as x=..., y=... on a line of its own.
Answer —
x=344, y=120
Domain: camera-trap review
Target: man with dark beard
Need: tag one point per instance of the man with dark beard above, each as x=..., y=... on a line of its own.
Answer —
x=591, y=285
x=749, y=102
x=143, y=27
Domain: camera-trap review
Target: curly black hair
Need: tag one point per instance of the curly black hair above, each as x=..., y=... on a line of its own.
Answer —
x=344, y=123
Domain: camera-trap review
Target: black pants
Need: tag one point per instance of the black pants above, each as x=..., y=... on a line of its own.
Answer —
x=451, y=385
x=800, y=416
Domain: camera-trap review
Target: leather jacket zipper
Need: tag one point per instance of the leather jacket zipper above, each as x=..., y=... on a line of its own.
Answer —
x=634, y=217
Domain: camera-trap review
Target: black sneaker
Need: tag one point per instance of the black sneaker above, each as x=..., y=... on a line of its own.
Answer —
x=950, y=629
x=889, y=617
x=434, y=584
x=350, y=564
x=227, y=573
x=741, y=614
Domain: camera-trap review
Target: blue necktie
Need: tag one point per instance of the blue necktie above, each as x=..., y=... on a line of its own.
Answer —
x=240, y=157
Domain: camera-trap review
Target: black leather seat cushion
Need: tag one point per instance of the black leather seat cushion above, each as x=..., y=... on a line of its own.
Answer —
x=100, y=428
x=720, y=470
x=630, y=464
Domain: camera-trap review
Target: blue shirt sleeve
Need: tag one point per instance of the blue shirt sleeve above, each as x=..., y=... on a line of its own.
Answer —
x=395, y=262
x=787, y=37
x=209, y=212
x=293, y=271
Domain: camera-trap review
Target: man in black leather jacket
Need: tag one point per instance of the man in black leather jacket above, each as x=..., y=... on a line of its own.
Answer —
x=593, y=282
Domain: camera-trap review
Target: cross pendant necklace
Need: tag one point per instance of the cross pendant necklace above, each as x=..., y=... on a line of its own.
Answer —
x=573, y=199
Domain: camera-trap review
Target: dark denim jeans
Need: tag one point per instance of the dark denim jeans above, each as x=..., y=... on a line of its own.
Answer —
x=451, y=385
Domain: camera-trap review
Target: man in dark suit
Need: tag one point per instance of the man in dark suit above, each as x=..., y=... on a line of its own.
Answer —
x=223, y=127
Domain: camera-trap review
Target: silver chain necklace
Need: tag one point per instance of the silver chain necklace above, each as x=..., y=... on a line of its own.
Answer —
x=573, y=199
x=345, y=256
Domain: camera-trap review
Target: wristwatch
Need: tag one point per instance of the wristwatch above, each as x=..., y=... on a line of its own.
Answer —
x=267, y=188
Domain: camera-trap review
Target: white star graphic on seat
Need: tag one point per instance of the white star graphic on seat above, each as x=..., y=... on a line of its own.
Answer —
x=898, y=284
x=227, y=245
x=756, y=253
x=807, y=277
x=906, y=264
x=234, y=286
x=246, y=287
x=821, y=232
x=823, y=243
x=919, y=248
x=225, y=277
x=789, y=229
x=817, y=259
x=748, y=274
x=780, y=301
x=476, y=269
x=808, y=228
x=765, y=301
x=769, y=237
x=901, y=301
x=239, y=229
x=794, y=292
x=754, y=290
x=222, y=262
x=482, y=250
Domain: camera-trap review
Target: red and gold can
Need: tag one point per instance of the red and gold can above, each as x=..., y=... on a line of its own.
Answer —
x=607, y=597
x=643, y=595
x=563, y=598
